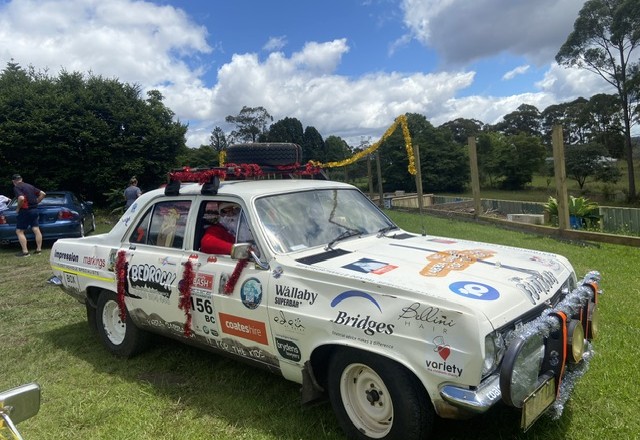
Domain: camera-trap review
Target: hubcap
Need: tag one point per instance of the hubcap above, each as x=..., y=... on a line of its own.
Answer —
x=366, y=400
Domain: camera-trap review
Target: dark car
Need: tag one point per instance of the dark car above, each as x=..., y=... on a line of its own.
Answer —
x=61, y=214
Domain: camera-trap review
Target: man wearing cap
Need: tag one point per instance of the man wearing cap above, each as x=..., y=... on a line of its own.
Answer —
x=27, y=208
x=220, y=237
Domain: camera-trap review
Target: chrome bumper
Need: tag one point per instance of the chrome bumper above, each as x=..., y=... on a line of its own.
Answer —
x=478, y=400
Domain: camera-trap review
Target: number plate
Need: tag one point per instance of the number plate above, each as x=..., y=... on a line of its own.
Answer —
x=538, y=402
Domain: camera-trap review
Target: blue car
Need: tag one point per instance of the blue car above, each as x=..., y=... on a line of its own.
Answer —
x=61, y=214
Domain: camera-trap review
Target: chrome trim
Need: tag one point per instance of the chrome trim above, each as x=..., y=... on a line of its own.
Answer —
x=478, y=400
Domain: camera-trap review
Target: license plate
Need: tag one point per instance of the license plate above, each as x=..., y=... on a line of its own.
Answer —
x=538, y=402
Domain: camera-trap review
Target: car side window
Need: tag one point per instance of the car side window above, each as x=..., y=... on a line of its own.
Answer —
x=163, y=225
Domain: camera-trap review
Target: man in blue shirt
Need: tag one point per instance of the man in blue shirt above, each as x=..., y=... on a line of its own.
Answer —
x=27, y=208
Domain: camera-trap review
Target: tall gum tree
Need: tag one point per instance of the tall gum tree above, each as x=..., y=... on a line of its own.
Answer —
x=604, y=38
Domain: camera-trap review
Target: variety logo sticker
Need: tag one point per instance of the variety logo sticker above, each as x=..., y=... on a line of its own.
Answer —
x=441, y=365
x=473, y=290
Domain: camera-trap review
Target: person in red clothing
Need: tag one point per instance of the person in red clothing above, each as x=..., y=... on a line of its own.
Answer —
x=220, y=237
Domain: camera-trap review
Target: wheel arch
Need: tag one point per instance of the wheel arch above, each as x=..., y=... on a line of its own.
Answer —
x=321, y=356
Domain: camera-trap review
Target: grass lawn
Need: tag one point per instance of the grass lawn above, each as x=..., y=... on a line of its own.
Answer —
x=174, y=391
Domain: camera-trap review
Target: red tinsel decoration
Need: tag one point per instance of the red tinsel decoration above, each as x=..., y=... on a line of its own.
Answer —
x=200, y=176
x=233, y=279
x=245, y=169
x=185, y=295
x=122, y=268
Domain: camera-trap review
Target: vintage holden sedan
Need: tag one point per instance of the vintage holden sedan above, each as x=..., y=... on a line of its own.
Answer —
x=323, y=288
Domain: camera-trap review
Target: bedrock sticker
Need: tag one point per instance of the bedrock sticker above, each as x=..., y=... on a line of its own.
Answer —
x=474, y=290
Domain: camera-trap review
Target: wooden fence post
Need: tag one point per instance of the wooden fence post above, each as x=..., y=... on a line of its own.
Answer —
x=475, y=177
x=561, y=178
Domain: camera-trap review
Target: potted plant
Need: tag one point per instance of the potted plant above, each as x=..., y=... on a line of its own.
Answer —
x=583, y=213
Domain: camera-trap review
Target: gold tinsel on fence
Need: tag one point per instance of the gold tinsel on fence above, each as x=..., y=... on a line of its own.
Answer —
x=400, y=120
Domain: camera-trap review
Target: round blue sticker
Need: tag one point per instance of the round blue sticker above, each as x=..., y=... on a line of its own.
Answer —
x=251, y=293
x=474, y=290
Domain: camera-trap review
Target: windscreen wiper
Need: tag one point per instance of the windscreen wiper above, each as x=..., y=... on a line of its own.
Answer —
x=382, y=232
x=346, y=234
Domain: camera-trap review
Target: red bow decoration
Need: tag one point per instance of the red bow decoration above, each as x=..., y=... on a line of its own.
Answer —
x=233, y=279
x=185, y=295
x=122, y=267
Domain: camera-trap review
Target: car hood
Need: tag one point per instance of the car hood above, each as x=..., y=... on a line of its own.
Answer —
x=501, y=282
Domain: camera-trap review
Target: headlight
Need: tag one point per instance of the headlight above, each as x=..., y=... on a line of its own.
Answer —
x=493, y=352
x=593, y=318
x=521, y=368
x=575, y=341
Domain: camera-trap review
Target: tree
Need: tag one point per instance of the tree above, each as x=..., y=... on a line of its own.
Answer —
x=250, y=123
x=84, y=132
x=588, y=160
x=313, y=146
x=509, y=161
x=603, y=39
x=526, y=119
x=443, y=163
x=286, y=130
x=461, y=129
x=605, y=120
x=218, y=140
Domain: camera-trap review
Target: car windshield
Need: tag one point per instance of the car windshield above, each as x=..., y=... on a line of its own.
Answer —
x=302, y=220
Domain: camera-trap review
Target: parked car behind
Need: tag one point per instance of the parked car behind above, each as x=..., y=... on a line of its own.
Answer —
x=61, y=214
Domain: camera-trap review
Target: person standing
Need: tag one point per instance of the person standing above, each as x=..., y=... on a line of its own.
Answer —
x=131, y=193
x=27, y=208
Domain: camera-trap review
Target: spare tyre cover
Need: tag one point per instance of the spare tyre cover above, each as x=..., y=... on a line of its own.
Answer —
x=266, y=154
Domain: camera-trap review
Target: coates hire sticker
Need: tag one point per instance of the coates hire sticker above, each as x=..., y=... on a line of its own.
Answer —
x=251, y=293
x=473, y=290
x=367, y=265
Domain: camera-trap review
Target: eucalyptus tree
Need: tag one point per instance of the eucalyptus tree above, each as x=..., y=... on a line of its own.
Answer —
x=604, y=41
x=251, y=123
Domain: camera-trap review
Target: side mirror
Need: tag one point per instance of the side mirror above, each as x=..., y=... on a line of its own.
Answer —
x=19, y=404
x=244, y=251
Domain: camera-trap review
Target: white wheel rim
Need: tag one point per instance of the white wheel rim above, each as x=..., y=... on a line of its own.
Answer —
x=366, y=400
x=114, y=328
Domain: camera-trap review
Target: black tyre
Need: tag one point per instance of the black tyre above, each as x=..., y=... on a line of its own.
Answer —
x=376, y=398
x=121, y=338
x=265, y=154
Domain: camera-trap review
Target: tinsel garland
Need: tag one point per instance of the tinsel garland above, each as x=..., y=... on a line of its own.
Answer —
x=400, y=120
x=121, y=279
x=185, y=295
x=233, y=279
x=200, y=176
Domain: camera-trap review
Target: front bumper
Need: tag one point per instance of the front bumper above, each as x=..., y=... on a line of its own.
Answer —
x=492, y=389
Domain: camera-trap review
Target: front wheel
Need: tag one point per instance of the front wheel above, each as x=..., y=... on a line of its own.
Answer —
x=376, y=398
x=121, y=338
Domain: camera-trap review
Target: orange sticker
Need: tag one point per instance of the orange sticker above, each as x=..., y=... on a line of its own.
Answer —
x=443, y=262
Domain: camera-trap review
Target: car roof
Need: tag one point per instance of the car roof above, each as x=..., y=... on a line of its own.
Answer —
x=249, y=189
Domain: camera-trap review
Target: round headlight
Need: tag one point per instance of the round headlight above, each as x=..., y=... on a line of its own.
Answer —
x=521, y=368
x=575, y=341
x=493, y=351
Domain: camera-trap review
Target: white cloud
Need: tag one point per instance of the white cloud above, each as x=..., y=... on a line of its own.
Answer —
x=515, y=72
x=463, y=31
x=275, y=43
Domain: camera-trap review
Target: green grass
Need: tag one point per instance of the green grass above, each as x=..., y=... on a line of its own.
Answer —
x=177, y=392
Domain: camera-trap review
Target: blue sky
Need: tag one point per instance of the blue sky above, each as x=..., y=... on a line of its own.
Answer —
x=346, y=67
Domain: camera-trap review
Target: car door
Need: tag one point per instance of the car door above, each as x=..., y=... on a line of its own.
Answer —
x=155, y=255
x=228, y=298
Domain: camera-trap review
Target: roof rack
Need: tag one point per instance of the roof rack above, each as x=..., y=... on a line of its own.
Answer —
x=210, y=178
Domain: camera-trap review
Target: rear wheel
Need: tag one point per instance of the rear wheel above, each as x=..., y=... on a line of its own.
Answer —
x=121, y=338
x=376, y=398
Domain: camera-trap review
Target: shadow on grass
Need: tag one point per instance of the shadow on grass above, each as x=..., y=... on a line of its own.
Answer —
x=212, y=384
